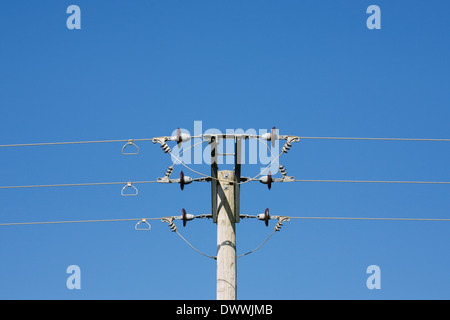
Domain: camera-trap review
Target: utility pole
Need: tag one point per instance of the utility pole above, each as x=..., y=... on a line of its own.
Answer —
x=225, y=198
x=225, y=193
x=226, y=237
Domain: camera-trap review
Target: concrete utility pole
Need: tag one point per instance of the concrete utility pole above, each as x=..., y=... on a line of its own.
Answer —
x=226, y=237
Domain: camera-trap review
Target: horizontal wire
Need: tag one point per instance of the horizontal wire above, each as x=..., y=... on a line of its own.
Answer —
x=140, y=219
x=143, y=182
x=352, y=181
x=373, y=181
x=381, y=219
x=74, y=184
x=73, y=221
x=149, y=139
x=70, y=142
x=379, y=139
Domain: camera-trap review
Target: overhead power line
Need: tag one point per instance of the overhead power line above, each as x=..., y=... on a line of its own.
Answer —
x=251, y=179
x=200, y=216
x=74, y=221
x=379, y=139
x=153, y=181
x=256, y=136
x=73, y=184
x=373, y=181
x=225, y=191
x=359, y=218
x=69, y=142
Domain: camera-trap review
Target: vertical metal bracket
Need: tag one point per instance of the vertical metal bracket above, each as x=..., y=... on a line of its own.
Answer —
x=214, y=182
x=237, y=177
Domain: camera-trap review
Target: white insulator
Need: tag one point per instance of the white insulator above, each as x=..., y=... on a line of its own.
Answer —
x=188, y=217
x=184, y=137
x=264, y=179
x=266, y=136
x=261, y=216
x=187, y=180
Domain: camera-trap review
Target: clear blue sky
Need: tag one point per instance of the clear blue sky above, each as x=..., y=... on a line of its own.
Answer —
x=139, y=69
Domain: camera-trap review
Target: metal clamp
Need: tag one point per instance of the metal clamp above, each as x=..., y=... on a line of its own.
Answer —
x=169, y=220
x=167, y=173
x=146, y=228
x=129, y=185
x=288, y=144
x=130, y=143
x=279, y=224
x=285, y=177
x=162, y=142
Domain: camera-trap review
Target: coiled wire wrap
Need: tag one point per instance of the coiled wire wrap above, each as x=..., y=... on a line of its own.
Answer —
x=280, y=222
x=288, y=144
x=168, y=171
x=162, y=142
x=169, y=220
x=282, y=170
x=165, y=147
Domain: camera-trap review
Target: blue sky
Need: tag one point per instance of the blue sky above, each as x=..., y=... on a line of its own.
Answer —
x=140, y=69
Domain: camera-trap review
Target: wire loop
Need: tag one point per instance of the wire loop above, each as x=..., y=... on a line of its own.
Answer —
x=145, y=228
x=130, y=143
x=129, y=185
